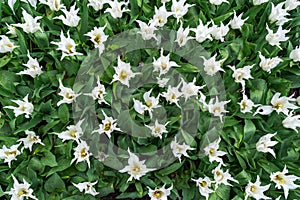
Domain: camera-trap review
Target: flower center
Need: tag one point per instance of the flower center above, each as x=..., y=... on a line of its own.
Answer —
x=97, y=38
x=123, y=75
x=88, y=186
x=33, y=139
x=34, y=67
x=173, y=96
x=23, y=108
x=160, y=19
x=21, y=192
x=264, y=144
x=253, y=188
x=69, y=96
x=72, y=133
x=203, y=184
x=9, y=153
x=278, y=105
x=158, y=194
x=69, y=47
x=212, y=152
x=56, y=4
x=107, y=126
x=83, y=153
x=181, y=40
x=100, y=92
x=280, y=179
x=179, y=148
x=244, y=105
x=157, y=129
x=136, y=169
x=164, y=66
x=8, y=45
x=240, y=76
x=220, y=175
x=149, y=104
x=212, y=68
x=217, y=109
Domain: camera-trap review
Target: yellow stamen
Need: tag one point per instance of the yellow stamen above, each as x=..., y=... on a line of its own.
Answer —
x=136, y=169
x=69, y=96
x=244, y=105
x=107, y=126
x=280, y=179
x=21, y=192
x=278, y=105
x=252, y=188
x=123, y=75
x=157, y=129
x=203, y=184
x=9, y=45
x=148, y=104
x=83, y=153
x=173, y=96
x=72, y=133
x=212, y=151
x=69, y=47
x=98, y=38
x=56, y=4
x=217, y=109
x=164, y=66
x=9, y=153
x=158, y=194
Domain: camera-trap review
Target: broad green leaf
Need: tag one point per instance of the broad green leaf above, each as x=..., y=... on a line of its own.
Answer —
x=170, y=169
x=7, y=80
x=249, y=130
x=54, y=183
x=48, y=159
x=62, y=164
x=63, y=113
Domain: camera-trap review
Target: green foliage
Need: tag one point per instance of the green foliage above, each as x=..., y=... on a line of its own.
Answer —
x=48, y=166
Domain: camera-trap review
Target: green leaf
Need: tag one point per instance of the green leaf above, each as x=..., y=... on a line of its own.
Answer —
x=134, y=7
x=249, y=130
x=41, y=39
x=63, y=113
x=222, y=17
x=22, y=42
x=187, y=68
x=139, y=189
x=170, y=169
x=62, y=164
x=258, y=90
x=240, y=160
x=48, y=126
x=84, y=22
x=29, y=125
x=48, y=159
x=188, y=193
x=36, y=165
x=81, y=166
x=223, y=192
x=243, y=177
x=1, y=192
x=7, y=80
x=4, y=60
x=268, y=166
x=188, y=138
x=130, y=195
x=54, y=183
x=104, y=191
